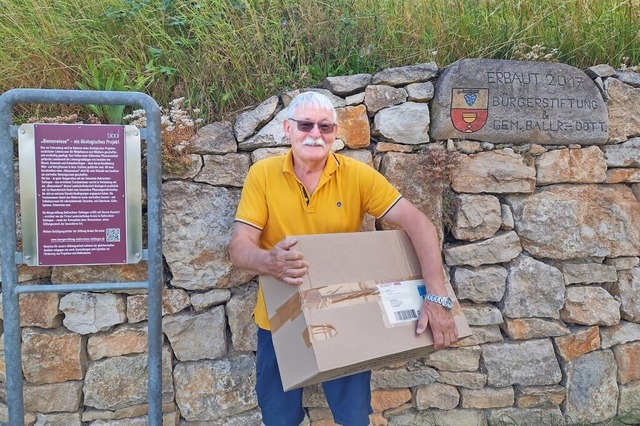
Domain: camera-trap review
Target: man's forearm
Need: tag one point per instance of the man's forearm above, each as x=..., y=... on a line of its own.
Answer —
x=424, y=238
x=425, y=241
x=249, y=257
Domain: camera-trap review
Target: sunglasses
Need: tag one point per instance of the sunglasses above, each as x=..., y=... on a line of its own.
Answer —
x=307, y=126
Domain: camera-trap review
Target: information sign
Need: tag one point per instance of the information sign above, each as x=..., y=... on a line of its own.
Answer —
x=80, y=194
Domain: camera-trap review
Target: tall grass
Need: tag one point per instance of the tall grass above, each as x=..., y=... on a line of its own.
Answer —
x=226, y=54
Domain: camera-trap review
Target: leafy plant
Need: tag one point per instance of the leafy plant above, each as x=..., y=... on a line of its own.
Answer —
x=106, y=78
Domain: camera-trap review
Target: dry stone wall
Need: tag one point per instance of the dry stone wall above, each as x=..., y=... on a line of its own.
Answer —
x=541, y=240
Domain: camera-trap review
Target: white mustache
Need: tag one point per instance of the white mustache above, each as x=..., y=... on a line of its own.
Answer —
x=309, y=141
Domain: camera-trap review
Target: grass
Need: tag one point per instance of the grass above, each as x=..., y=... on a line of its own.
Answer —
x=223, y=55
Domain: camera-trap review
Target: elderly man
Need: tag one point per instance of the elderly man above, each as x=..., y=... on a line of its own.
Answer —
x=311, y=190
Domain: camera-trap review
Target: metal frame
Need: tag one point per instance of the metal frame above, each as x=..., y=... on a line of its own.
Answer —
x=11, y=258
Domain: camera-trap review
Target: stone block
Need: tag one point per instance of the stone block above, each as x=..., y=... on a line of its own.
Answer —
x=501, y=171
x=592, y=391
x=58, y=419
x=202, y=263
x=481, y=284
x=566, y=222
x=124, y=340
x=534, y=289
x=353, y=126
x=99, y=273
x=86, y=312
x=628, y=175
x=196, y=337
x=487, y=397
x=173, y=300
x=534, y=328
x=623, y=262
x=246, y=124
x=586, y=165
x=38, y=310
x=203, y=301
x=401, y=76
x=456, y=417
x=627, y=289
x=628, y=360
x=412, y=177
x=469, y=380
x=436, y=395
x=455, y=359
x=385, y=399
x=209, y=391
x=346, y=85
x=623, y=100
x=224, y=170
x=527, y=363
x=53, y=397
x=622, y=154
x=52, y=356
x=475, y=217
x=580, y=309
x=620, y=333
x=217, y=137
x=420, y=92
x=630, y=400
x=581, y=341
x=262, y=153
x=120, y=382
x=479, y=336
x=378, y=97
x=539, y=396
x=401, y=378
x=499, y=249
x=270, y=135
x=481, y=314
x=506, y=218
x=407, y=123
x=239, y=311
x=587, y=273
x=525, y=416
x=92, y=414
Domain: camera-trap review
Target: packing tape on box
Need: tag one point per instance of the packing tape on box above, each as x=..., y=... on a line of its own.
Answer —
x=286, y=312
x=318, y=332
x=331, y=296
x=340, y=295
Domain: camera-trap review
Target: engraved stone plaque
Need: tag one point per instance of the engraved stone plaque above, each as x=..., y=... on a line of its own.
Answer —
x=518, y=102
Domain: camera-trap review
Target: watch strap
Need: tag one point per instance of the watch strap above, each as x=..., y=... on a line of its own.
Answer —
x=443, y=301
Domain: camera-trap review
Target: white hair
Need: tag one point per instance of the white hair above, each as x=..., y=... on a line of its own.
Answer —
x=313, y=100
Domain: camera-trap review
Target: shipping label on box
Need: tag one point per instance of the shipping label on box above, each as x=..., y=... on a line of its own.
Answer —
x=401, y=300
x=356, y=310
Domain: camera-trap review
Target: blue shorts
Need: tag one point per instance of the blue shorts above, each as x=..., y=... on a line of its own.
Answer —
x=349, y=397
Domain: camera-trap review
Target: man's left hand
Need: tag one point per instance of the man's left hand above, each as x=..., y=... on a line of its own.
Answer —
x=441, y=323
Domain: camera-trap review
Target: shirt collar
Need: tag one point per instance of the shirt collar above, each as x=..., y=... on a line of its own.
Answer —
x=330, y=167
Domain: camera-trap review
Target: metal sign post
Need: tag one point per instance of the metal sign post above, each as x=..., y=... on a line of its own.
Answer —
x=11, y=257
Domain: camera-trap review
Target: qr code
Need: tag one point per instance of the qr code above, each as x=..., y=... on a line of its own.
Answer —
x=113, y=235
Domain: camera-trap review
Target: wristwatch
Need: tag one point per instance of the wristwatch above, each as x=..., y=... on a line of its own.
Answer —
x=445, y=302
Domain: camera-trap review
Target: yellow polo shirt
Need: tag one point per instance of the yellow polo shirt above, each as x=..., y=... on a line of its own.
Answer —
x=275, y=201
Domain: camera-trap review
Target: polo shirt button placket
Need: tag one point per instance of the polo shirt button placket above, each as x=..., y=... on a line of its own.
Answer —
x=304, y=194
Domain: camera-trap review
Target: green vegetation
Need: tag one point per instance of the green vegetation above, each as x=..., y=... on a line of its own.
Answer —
x=223, y=55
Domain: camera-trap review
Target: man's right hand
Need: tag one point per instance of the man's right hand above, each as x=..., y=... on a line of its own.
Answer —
x=281, y=262
x=287, y=265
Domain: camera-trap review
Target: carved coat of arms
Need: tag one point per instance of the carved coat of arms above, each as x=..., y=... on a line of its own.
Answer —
x=469, y=109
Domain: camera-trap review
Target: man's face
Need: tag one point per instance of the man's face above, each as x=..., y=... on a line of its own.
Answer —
x=310, y=145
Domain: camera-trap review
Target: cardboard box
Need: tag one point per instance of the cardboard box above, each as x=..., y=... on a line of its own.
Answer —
x=355, y=311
